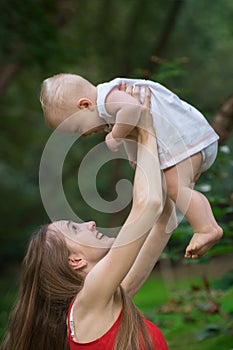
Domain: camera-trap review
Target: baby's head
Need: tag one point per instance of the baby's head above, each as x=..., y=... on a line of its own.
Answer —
x=60, y=96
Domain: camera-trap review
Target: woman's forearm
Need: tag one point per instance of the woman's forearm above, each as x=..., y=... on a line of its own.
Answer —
x=147, y=193
x=150, y=251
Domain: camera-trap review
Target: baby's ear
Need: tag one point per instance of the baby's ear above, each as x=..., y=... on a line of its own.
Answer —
x=84, y=103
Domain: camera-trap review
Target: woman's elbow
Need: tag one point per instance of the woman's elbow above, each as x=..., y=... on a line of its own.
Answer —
x=154, y=200
x=152, y=206
x=155, y=205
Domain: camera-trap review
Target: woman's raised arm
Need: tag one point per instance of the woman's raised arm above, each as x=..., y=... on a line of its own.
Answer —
x=155, y=241
x=146, y=209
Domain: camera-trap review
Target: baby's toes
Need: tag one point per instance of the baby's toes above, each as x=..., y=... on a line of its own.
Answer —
x=191, y=251
x=188, y=252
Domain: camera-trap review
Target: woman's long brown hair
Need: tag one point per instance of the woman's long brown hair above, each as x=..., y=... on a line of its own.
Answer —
x=48, y=285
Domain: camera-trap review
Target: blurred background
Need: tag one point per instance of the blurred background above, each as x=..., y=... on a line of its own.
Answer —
x=187, y=45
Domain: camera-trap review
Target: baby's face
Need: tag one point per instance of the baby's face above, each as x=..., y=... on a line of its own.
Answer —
x=84, y=122
x=96, y=130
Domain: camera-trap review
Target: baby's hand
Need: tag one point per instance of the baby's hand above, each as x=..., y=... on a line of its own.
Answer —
x=113, y=144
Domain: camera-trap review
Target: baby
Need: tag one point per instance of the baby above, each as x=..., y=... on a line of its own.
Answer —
x=187, y=144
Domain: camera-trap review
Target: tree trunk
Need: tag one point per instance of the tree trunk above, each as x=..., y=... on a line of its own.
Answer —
x=163, y=41
x=127, y=63
x=7, y=74
x=223, y=120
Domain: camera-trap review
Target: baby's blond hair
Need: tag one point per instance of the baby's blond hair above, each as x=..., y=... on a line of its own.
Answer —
x=59, y=96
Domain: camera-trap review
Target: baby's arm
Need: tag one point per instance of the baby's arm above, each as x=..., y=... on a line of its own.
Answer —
x=127, y=110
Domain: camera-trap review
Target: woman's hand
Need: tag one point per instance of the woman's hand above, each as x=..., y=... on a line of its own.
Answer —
x=146, y=121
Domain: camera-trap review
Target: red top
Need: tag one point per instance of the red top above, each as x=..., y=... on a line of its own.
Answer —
x=107, y=341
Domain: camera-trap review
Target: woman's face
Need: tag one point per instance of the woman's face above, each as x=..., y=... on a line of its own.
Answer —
x=83, y=234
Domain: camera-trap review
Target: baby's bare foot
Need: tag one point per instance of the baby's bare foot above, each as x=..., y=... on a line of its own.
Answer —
x=201, y=243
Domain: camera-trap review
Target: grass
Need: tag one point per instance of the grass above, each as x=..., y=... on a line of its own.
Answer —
x=183, y=309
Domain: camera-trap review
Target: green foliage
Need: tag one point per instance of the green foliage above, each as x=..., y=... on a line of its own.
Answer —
x=203, y=35
x=8, y=286
x=28, y=32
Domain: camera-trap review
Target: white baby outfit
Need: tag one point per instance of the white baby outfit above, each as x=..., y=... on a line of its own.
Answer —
x=181, y=130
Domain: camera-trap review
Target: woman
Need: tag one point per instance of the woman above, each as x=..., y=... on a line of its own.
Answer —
x=74, y=274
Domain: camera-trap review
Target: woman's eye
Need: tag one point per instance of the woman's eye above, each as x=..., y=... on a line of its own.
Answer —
x=75, y=228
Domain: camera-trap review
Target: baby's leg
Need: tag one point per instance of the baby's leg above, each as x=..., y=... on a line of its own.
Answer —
x=180, y=180
x=206, y=230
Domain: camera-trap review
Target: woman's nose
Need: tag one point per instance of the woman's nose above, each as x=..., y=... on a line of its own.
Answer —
x=91, y=225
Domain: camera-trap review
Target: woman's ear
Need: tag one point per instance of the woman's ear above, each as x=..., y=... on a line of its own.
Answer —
x=84, y=103
x=76, y=263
